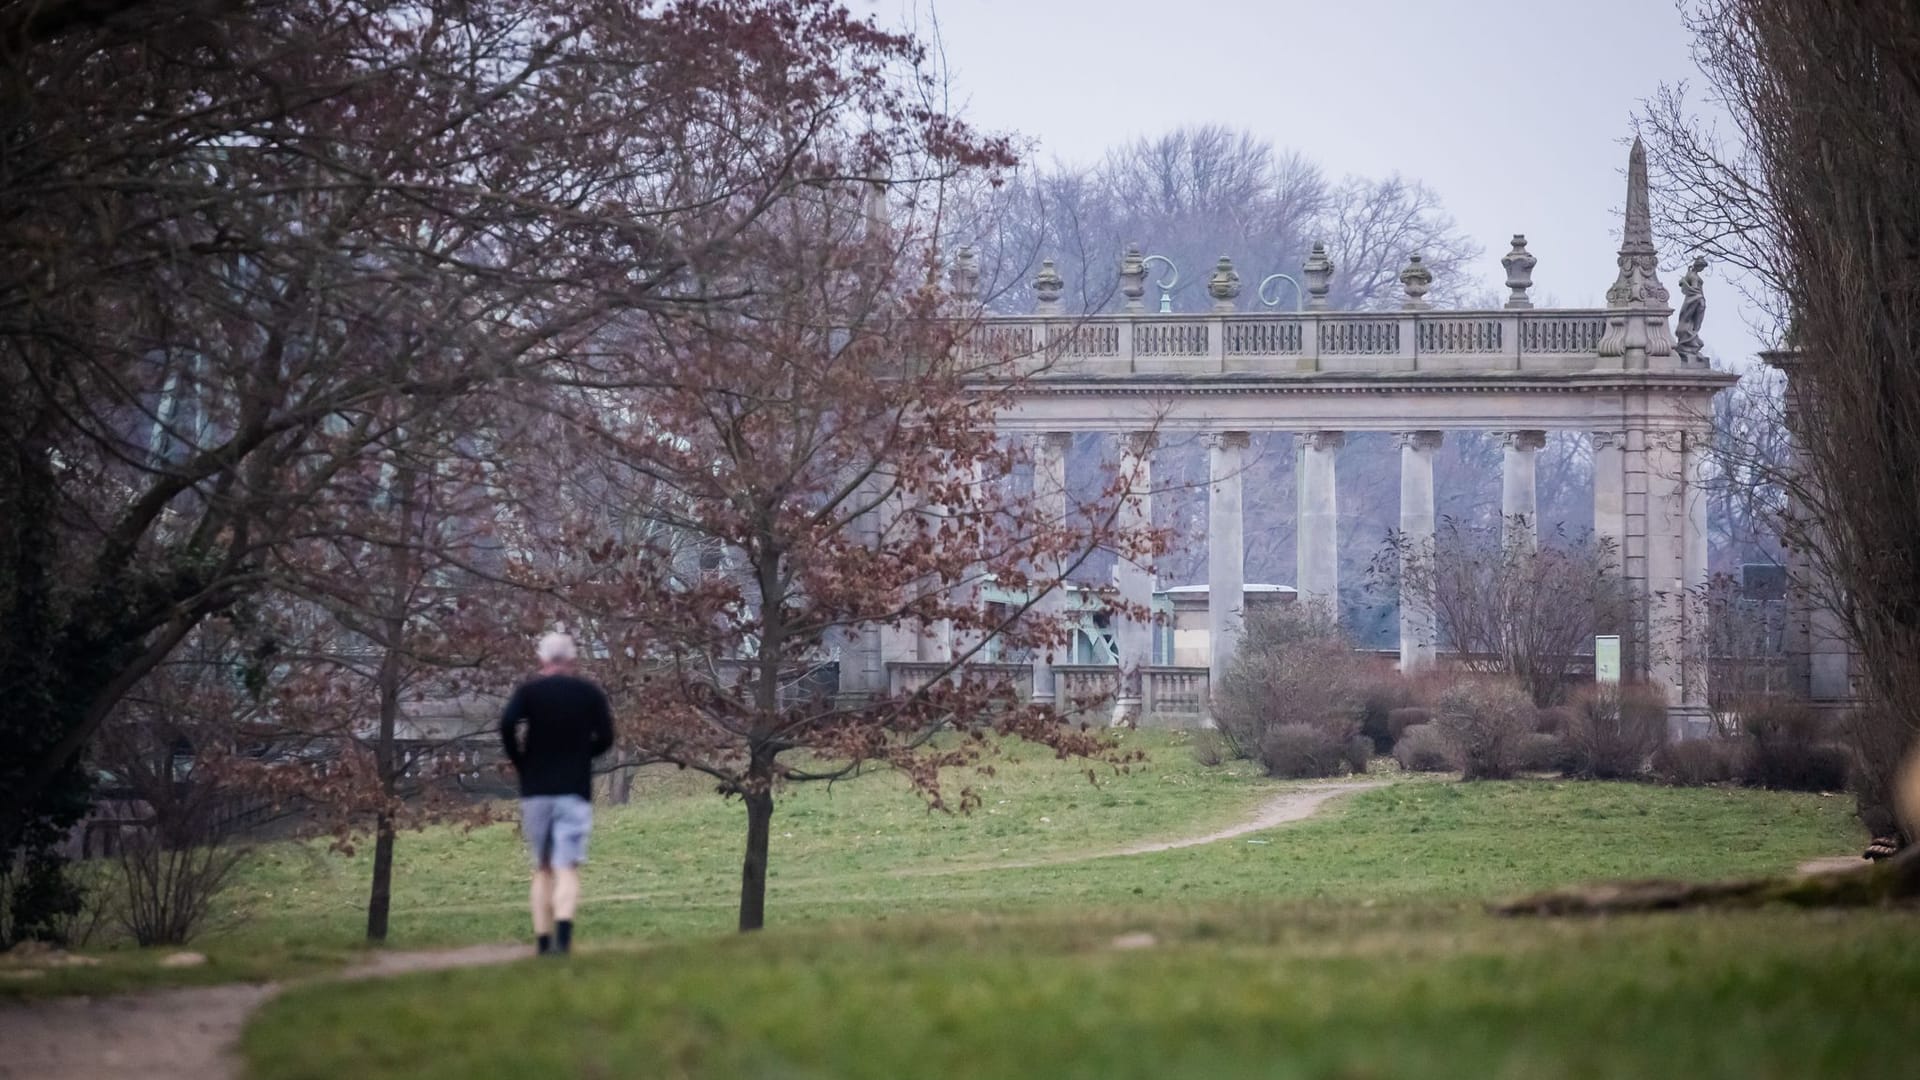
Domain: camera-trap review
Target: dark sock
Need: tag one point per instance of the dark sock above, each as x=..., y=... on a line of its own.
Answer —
x=563, y=935
x=544, y=943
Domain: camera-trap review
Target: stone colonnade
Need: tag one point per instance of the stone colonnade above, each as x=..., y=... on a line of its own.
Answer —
x=1649, y=505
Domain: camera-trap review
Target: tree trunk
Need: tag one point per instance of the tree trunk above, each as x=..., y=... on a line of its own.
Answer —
x=753, y=872
x=380, y=901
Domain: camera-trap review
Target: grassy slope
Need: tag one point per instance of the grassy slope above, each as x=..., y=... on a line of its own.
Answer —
x=666, y=867
x=1250, y=991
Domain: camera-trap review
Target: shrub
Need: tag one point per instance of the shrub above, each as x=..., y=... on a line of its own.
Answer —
x=1209, y=749
x=1399, y=720
x=1379, y=701
x=1613, y=729
x=1697, y=762
x=1552, y=720
x=1483, y=722
x=1294, y=668
x=1423, y=749
x=1299, y=751
x=1540, y=751
x=1788, y=749
x=1359, y=753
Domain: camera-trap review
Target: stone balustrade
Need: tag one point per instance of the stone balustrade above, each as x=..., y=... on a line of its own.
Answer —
x=1542, y=340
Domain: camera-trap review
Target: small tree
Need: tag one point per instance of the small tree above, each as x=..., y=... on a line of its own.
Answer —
x=821, y=439
x=1506, y=606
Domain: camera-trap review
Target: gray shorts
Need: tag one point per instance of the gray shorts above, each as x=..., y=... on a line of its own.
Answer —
x=556, y=828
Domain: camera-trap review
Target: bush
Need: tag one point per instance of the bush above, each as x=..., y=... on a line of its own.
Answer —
x=1300, y=751
x=1613, y=729
x=1294, y=669
x=1209, y=749
x=1483, y=722
x=1552, y=720
x=1399, y=720
x=1698, y=762
x=1423, y=749
x=1788, y=749
x=1540, y=751
x=1359, y=753
x=1379, y=701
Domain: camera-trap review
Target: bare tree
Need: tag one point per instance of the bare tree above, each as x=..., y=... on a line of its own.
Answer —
x=1815, y=195
x=245, y=244
x=1505, y=606
x=826, y=439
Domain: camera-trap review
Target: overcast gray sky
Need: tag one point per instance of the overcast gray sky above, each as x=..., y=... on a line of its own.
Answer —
x=1517, y=113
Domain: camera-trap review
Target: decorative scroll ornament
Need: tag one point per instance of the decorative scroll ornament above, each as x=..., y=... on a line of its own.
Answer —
x=1299, y=294
x=1223, y=284
x=1166, y=284
x=1519, y=264
x=1319, y=274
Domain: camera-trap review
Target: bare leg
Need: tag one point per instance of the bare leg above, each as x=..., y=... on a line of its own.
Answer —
x=566, y=892
x=542, y=900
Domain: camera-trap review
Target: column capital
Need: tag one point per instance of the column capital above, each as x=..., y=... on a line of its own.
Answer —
x=1523, y=439
x=1139, y=442
x=1418, y=440
x=1057, y=442
x=1229, y=440
x=1322, y=440
x=1609, y=440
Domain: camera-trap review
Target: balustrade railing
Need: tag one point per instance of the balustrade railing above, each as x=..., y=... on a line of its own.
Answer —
x=1308, y=341
x=1174, y=693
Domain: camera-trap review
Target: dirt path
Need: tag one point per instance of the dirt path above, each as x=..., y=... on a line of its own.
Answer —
x=191, y=1034
x=187, y=1034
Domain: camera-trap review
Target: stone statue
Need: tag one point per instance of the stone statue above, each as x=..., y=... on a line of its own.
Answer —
x=1693, y=312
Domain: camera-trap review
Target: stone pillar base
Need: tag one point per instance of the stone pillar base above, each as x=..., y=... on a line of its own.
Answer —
x=1688, y=722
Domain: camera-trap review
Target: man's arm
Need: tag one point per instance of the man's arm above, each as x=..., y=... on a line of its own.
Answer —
x=602, y=740
x=510, y=719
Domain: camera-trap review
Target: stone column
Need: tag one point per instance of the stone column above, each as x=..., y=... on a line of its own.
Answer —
x=899, y=641
x=1696, y=644
x=1226, y=552
x=1133, y=635
x=1317, y=521
x=1609, y=495
x=1050, y=500
x=1417, y=629
x=1666, y=581
x=1519, y=500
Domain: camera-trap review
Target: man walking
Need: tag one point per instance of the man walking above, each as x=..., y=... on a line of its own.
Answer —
x=553, y=727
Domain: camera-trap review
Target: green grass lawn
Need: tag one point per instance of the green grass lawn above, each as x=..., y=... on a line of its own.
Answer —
x=1251, y=990
x=666, y=868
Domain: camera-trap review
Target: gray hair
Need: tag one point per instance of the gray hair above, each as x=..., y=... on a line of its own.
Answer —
x=556, y=648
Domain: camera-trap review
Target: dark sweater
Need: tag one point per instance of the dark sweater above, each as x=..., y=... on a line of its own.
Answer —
x=567, y=724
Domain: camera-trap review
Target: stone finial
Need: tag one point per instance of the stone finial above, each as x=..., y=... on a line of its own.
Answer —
x=1638, y=284
x=1319, y=274
x=965, y=275
x=1637, y=324
x=1223, y=284
x=1133, y=278
x=1519, y=264
x=1047, y=286
x=1416, y=279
